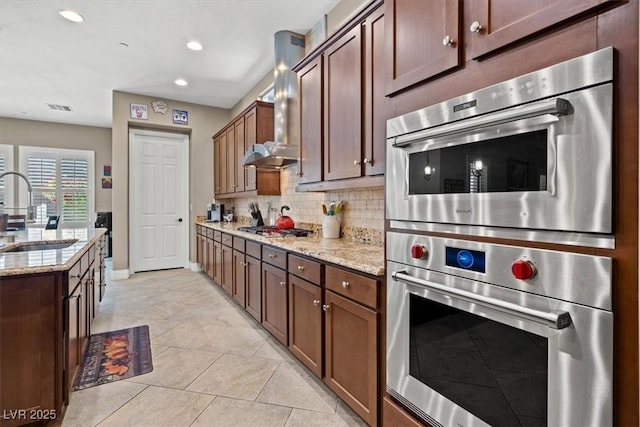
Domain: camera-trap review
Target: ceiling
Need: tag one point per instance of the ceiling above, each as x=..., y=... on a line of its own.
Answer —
x=137, y=46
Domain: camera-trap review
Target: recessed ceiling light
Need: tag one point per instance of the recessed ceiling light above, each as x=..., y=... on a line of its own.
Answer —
x=181, y=82
x=71, y=15
x=194, y=45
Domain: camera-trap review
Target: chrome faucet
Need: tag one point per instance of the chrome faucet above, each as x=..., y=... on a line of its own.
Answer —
x=31, y=212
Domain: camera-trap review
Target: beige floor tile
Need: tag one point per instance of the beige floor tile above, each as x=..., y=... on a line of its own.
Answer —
x=176, y=367
x=272, y=349
x=293, y=385
x=241, y=413
x=90, y=406
x=157, y=407
x=303, y=418
x=235, y=376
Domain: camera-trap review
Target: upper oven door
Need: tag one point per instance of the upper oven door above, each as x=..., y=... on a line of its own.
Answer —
x=542, y=165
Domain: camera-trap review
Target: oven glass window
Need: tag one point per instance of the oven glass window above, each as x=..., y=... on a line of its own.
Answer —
x=511, y=163
x=494, y=371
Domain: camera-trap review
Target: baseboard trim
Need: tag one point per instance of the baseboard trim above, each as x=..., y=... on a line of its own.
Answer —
x=119, y=274
x=196, y=267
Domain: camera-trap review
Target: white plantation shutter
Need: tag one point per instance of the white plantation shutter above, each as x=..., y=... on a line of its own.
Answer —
x=62, y=184
x=6, y=187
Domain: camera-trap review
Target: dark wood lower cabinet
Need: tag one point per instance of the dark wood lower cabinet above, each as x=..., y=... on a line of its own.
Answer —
x=274, y=302
x=253, y=288
x=305, y=323
x=226, y=281
x=351, y=346
x=239, y=277
x=216, y=262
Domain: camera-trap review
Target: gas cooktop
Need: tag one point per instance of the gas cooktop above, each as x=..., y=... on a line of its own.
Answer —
x=269, y=231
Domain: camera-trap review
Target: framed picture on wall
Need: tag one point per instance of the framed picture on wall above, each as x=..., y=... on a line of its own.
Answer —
x=139, y=111
x=107, y=182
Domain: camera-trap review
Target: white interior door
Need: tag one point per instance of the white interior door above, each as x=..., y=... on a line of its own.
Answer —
x=158, y=200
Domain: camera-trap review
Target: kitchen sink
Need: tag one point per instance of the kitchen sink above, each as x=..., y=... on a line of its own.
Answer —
x=37, y=246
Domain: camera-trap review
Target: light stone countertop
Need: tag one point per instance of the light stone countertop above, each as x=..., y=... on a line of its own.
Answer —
x=47, y=260
x=365, y=258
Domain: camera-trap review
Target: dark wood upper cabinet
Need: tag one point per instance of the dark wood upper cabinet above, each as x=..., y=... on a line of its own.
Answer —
x=422, y=40
x=310, y=102
x=240, y=150
x=492, y=24
x=375, y=102
x=343, y=107
x=253, y=126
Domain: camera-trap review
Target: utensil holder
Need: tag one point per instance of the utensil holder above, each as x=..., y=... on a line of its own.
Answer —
x=331, y=227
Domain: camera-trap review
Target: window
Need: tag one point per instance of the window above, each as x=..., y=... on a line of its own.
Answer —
x=62, y=182
x=268, y=95
x=6, y=183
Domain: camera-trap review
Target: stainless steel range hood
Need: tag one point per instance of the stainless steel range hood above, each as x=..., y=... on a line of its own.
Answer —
x=283, y=152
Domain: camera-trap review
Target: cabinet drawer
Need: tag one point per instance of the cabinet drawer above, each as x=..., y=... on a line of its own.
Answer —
x=217, y=235
x=275, y=257
x=209, y=233
x=305, y=268
x=253, y=249
x=351, y=285
x=227, y=239
x=238, y=243
x=92, y=254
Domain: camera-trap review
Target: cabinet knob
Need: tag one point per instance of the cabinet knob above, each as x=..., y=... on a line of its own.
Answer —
x=356, y=162
x=345, y=284
x=300, y=268
x=475, y=27
x=283, y=283
x=272, y=256
x=326, y=307
x=299, y=174
x=448, y=41
x=316, y=301
x=244, y=264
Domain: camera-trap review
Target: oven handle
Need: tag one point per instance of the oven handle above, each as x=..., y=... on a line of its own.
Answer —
x=555, y=320
x=558, y=107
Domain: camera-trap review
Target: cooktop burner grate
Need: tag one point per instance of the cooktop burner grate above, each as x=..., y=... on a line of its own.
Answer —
x=273, y=231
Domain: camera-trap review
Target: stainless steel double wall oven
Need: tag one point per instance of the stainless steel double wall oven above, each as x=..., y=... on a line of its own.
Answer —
x=483, y=333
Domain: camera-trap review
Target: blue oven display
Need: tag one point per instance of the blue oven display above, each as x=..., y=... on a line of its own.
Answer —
x=466, y=259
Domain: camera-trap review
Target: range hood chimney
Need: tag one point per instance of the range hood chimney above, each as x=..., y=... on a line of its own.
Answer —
x=283, y=152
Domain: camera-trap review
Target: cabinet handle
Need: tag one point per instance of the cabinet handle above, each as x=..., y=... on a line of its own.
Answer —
x=74, y=276
x=283, y=283
x=345, y=284
x=244, y=264
x=316, y=302
x=368, y=161
x=448, y=41
x=300, y=268
x=326, y=307
x=475, y=27
x=272, y=256
x=356, y=162
x=299, y=174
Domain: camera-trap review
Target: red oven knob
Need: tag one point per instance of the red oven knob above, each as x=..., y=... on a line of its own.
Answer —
x=523, y=269
x=418, y=251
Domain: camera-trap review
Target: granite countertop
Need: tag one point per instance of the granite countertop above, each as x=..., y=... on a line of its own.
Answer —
x=365, y=258
x=47, y=260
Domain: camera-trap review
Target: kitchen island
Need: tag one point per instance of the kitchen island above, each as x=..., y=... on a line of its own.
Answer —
x=51, y=283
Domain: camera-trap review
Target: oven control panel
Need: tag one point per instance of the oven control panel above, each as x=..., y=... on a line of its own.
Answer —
x=465, y=259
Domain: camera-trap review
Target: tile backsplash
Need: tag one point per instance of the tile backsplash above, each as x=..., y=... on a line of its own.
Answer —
x=362, y=216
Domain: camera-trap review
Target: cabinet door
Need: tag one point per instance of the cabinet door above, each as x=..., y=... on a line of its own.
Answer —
x=351, y=358
x=305, y=323
x=84, y=301
x=343, y=107
x=227, y=269
x=254, y=288
x=417, y=48
x=310, y=102
x=250, y=139
x=239, y=145
x=74, y=341
x=274, y=302
x=375, y=101
x=492, y=24
x=30, y=370
x=222, y=164
x=217, y=263
x=217, y=180
x=210, y=258
x=232, y=178
x=239, y=282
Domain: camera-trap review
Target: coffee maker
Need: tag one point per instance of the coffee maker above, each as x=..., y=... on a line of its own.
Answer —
x=215, y=212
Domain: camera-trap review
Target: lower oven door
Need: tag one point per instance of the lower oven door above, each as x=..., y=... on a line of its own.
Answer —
x=466, y=353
